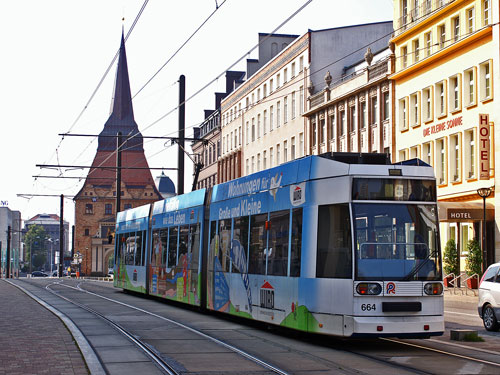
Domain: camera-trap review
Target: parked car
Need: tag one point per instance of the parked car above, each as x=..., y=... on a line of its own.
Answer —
x=38, y=274
x=489, y=298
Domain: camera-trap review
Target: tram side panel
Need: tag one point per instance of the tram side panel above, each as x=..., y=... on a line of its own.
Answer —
x=176, y=248
x=267, y=240
x=131, y=241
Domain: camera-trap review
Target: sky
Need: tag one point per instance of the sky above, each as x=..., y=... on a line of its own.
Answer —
x=55, y=53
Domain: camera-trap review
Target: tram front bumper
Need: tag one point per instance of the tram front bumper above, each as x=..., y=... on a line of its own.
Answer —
x=400, y=326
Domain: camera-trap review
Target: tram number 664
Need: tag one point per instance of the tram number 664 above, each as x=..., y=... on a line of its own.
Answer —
x=368, y=307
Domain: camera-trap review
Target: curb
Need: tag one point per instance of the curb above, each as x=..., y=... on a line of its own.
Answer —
x=88, y=353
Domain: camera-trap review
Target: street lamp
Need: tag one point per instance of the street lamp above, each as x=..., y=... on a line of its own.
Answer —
x=484, y=193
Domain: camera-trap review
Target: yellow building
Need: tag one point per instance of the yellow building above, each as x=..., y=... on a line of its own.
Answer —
x=447, y=54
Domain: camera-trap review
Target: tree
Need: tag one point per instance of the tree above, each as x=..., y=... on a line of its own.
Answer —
x=474, y=260
x=450, y=258
x=35, y=245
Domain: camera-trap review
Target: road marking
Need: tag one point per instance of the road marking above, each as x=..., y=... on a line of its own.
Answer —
x=458, y=313
x=444, y=352
x=465, y=347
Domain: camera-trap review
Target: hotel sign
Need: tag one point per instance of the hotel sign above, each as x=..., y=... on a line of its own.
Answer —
x=442, y=126
x=484, y=147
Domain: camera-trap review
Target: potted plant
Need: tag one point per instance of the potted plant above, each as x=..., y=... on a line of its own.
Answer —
x=450, y=260
x=473, y=263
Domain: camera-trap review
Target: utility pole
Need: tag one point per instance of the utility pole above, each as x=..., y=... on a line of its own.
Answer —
x=7, y=260
x=61, y=239
x=118, y=171
x=72, y=241
x=182, y=126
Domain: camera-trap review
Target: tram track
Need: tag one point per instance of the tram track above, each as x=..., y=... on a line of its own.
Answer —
x=151, y=353
x=387, y=352
x=391, y=362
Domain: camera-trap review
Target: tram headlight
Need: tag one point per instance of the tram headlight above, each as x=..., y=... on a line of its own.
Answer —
x=433, y=289
x=371, y=289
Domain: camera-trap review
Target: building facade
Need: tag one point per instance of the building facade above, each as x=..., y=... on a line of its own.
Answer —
x=95, y=203
x=446, y=63
x=51, y=224
x=354, y=114
x=263, y=123
x=11, y=218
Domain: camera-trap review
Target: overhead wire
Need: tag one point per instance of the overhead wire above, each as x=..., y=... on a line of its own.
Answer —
x=209, y=83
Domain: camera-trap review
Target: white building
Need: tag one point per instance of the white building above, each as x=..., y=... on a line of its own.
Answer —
x=447, y=55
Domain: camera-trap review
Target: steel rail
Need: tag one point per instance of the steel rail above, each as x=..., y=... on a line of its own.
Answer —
x=193, y=330
x=162, y=364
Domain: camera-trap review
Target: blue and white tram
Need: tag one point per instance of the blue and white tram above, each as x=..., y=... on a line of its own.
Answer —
x=338, y=244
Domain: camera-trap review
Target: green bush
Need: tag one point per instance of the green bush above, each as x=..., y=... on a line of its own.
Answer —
x=474, y=260
x=450, y=257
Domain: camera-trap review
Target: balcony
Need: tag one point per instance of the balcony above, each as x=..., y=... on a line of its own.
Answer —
x=415, y=15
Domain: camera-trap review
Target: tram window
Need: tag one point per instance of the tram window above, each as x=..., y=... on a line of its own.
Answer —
x=139, y=249
x=194, y=246
x=164, y=246
x=393, y=189
x=277, y=250
x=257, y=263
x=334, y=254
x=183, y=243
x=118, y=243
x=213, y=240
x=156, y=249
x=296, y=245
x=172, y=247
x=130, y=249
x=224, y=241
x=240, y=234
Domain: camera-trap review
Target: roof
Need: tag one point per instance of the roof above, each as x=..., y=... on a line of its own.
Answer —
x=121, y=118
x=165, y=184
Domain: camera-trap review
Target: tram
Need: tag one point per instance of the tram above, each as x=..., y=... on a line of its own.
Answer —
x=338, y=244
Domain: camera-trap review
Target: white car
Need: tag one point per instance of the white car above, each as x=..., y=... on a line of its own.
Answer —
x=489, y=298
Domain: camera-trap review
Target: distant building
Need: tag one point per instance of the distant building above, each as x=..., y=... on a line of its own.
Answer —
x=11, y=218
x=165, y=185
x=51, y=225
x=263, y=123
x=95, y=203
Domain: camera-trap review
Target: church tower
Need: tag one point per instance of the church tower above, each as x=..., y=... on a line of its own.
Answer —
x=95, y=203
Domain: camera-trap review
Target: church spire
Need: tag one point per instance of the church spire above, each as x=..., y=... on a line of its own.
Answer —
x=122, y=113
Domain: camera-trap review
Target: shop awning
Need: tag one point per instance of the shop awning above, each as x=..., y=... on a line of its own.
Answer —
x=465, y=211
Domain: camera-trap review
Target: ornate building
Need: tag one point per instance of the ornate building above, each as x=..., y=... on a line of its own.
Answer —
x=95, y=203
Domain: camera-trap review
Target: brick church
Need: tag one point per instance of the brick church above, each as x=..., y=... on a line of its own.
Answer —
x=95, y=203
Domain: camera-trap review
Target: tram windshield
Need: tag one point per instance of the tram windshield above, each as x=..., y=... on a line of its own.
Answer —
x=396, y=242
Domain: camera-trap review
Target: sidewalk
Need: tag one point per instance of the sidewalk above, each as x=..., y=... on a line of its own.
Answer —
x=32, y=339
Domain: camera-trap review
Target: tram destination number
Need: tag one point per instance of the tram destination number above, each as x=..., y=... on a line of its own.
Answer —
x=368, y=307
